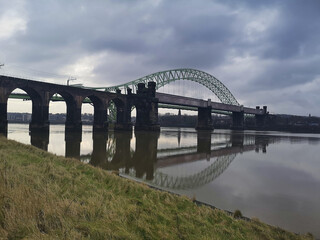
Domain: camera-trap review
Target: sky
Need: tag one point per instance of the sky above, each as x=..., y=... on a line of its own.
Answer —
x=265, y=52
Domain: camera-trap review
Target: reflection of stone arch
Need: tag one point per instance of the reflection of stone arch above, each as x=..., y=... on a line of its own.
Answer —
x=195, y=180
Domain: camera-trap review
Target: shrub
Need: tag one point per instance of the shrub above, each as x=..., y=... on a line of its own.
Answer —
x=237, y=214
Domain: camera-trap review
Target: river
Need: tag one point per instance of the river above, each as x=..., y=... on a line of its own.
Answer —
x=272, y=176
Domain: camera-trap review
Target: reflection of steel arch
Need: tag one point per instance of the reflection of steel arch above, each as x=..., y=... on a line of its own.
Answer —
x=165, y=77
x=192, y=181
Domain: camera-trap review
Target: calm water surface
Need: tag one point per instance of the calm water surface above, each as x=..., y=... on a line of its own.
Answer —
x=269, y=175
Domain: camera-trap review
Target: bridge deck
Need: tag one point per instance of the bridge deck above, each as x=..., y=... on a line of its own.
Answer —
x=194, y=102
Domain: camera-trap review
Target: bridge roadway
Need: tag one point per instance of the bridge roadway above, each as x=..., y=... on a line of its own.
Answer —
x=175, y=101
x=199, y=103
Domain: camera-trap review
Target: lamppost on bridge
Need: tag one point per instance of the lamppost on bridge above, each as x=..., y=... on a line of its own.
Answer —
x=71, y=79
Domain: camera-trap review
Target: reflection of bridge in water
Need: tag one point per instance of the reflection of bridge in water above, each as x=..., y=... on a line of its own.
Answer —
x=146, y=163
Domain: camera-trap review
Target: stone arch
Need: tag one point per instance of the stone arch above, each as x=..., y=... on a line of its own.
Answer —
x=116, y=106
x=32, y=93
x=99, y=112
x=71, y=103
x=40, y=114
x=122, y=108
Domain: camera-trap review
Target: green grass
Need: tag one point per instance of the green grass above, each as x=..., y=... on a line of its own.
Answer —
x=43, y=196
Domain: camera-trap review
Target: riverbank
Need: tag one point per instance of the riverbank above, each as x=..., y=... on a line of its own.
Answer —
x=44, y=196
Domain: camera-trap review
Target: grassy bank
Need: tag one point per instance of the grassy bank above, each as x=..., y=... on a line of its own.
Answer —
x=43, y=196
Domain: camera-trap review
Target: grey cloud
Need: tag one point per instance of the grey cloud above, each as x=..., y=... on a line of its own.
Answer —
x=298, y=32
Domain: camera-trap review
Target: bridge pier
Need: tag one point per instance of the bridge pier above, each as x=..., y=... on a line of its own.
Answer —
x=261, y=119
x=39, y=139
x=237, y=120
x=40, y=118
x=100, y=123
x=147, y=108
x=3, y=105
x=73, y=122
x=3, y=119
x=123, y=122
x=123, y=119
x=204, y=119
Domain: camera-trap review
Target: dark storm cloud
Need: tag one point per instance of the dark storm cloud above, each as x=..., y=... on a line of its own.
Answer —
x=282, y=74
x=122, y=40
x=196, y=40
x=297, y=34
x=170, y=35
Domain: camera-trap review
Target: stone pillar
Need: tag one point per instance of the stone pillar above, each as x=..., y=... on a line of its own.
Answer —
x=3, y=107
x=40, y=117
x=100, y=123
x=261, y=118
x=73, y=140
x=123, y=118
x=3, y=118
x=147, y=108
x=145, y=155
x=260, y=121
x=204, y=119
x=40, y=139
x=123, y=122
x=238, y=120
x=73, y=122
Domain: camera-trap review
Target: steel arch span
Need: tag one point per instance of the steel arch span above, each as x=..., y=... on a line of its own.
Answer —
x=165, y=77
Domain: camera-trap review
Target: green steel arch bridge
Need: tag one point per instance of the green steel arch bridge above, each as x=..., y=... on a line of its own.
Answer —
x=166, y=77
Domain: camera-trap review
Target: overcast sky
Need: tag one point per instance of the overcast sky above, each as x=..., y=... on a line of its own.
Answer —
x=265, y=52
